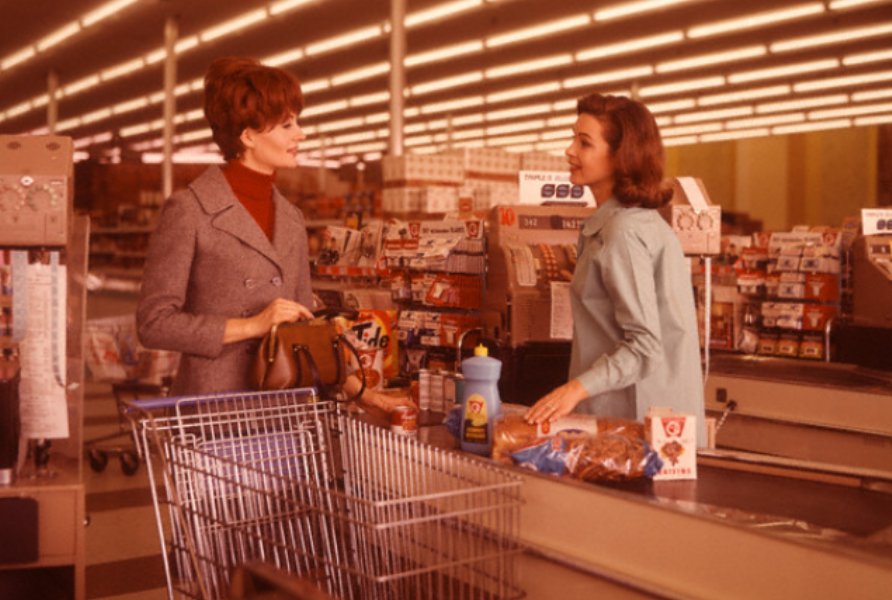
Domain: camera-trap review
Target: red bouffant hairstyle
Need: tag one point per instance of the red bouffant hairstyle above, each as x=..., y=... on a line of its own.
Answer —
x=634, y=139
x=240, y=93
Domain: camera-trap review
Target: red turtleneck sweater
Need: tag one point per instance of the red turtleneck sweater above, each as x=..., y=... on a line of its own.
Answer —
x=255, y=191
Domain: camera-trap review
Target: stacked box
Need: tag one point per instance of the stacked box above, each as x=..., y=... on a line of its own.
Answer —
x=486, y=162
x=439, y=199
x=674, y=437
x=542, y=161
x=412, y=169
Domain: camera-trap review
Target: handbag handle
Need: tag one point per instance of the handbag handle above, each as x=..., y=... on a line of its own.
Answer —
x=297, y=349
x=328, y=313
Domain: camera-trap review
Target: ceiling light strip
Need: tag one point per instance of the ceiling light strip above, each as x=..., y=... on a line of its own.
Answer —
x=635, y=8
x=756, y=20
x=836, y=37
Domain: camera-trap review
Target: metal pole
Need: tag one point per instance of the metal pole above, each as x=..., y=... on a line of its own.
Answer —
x=52, y=108
x=323, y=176
x=397, y=74
x=171, y=32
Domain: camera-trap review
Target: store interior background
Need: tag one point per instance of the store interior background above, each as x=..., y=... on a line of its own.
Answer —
x=770, y=182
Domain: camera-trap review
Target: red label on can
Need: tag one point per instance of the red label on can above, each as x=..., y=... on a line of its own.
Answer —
x=404, y=421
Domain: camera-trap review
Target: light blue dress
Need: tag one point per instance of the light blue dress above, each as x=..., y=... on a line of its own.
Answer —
x=635, y=337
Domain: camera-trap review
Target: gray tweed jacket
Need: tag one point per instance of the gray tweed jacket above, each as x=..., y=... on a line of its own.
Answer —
x=209, y=261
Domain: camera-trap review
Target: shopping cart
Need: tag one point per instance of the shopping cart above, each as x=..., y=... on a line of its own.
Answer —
x=296, y=483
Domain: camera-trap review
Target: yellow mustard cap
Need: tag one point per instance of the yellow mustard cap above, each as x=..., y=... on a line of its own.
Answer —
x=481, y=350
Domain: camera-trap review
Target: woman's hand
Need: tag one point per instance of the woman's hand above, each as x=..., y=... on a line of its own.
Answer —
x=560, y=402
x=278, y=311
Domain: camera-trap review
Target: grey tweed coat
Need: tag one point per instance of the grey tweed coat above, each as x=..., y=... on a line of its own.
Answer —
x=209, y=261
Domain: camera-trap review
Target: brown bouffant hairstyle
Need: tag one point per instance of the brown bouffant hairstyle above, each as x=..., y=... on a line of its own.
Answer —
x=241, y=93
x=634, y=139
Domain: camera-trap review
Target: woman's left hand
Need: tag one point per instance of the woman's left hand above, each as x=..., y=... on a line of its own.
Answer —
x=560, y=402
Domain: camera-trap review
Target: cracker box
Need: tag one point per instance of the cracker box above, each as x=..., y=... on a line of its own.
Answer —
x=674, y=437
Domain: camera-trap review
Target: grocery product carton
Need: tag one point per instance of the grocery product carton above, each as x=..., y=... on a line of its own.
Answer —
x=674, y=437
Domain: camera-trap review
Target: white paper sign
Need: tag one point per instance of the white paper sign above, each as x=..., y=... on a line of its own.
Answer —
x=538, y=187
x=44, y=407
x=876, y=221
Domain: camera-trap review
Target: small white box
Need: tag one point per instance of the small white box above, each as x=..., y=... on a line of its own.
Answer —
x=674, y=438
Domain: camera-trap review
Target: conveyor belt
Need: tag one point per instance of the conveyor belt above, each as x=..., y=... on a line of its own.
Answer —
x=802, y=371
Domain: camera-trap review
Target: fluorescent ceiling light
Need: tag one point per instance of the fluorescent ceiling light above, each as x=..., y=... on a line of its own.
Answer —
x=529, y=66
x=130, y=105
x=523, y=92
x=784, y=71
x=227, y=27
x=18, y=109
x=58, y=36
x=512, y=139
x=690, y=129
x=341, y=124
x=185, y=44
x=682, y=86
x=712, y=115
x=607, y=76
x=368, y=99
x=687, y=140
x=534, y=125
x=440, y=11
x=711, y=59
x=742, y=95
x=283, y=58
x=756, y=20
x=836, y=37
x=851, y=80
x=353, y=138
x=444, y=53
x=670, y=106
x=104, y=11
x=344, y=40
x=321, y=109
x=765, y=121
x=360, y=74
x=801, y=103
x=866, y=57
x=629, y=46
x=520, y=111
x=80, y=85
x=850, y=111
x=285, y=5
x=562, y=134
x=122, y=69
x=463, y=120
x=447, y=82
x=457, y=104
x=843, y=4
x=877, y=120
x=872, y=95
x=734, y=135
x=565, y=121
x=631, y=8
x=538, y=31
x=96, y=115
x=17, y=58
x=806, y=127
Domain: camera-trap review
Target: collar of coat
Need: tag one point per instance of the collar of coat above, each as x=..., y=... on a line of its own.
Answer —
x=596, y=221
x=228, y=214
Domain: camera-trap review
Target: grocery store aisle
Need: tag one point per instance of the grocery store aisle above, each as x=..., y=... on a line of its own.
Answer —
x=123, y=550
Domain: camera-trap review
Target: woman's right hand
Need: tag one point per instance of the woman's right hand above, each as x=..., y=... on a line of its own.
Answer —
x=278, y=311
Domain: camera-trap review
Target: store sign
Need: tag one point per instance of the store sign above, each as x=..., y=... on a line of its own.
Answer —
x=552, y=187
x=876, y=221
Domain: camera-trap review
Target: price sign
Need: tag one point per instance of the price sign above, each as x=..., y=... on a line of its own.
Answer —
x=876, y=221
x=541, y=187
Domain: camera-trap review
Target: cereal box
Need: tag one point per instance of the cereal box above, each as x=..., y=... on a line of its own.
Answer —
x=674, y=437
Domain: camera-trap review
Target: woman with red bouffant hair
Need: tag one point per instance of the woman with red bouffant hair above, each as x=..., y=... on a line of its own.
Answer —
x=635, y=337
x=229, y=258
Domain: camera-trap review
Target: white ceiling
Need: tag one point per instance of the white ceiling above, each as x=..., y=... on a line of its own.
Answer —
x=468, y=99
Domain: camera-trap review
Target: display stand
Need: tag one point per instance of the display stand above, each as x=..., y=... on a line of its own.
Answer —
x=57, y=568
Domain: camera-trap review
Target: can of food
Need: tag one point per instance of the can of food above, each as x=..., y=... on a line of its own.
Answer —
x=424, y=389
x=404, y=421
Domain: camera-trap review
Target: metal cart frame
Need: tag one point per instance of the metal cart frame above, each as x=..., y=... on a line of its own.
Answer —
x=361, y=512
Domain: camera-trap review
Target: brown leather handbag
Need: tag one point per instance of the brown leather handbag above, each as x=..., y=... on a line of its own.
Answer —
x=305, y=354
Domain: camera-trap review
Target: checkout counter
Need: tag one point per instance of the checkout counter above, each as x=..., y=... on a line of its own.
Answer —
x=749, y=526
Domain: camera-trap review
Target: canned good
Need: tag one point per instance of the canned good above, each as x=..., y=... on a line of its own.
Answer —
x=404, y=421
x=424, y=389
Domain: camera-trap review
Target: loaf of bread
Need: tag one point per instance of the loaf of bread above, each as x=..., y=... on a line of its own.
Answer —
x=511, y=431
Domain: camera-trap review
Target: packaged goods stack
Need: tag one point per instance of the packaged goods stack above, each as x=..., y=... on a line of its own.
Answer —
x=424, y=183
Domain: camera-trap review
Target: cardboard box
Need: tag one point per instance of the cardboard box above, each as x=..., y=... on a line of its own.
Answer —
x=674, y=437
x=696, y=221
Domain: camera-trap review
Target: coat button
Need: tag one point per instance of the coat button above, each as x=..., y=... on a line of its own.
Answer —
x=277, y=281
x=250, y=283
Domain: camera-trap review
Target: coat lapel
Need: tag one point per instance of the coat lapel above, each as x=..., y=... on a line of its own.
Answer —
x=229, y=215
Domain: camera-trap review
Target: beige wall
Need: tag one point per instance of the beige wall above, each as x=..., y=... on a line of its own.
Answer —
x=806, y=179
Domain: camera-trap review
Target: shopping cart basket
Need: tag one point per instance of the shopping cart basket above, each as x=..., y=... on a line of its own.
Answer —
x=361, y=512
